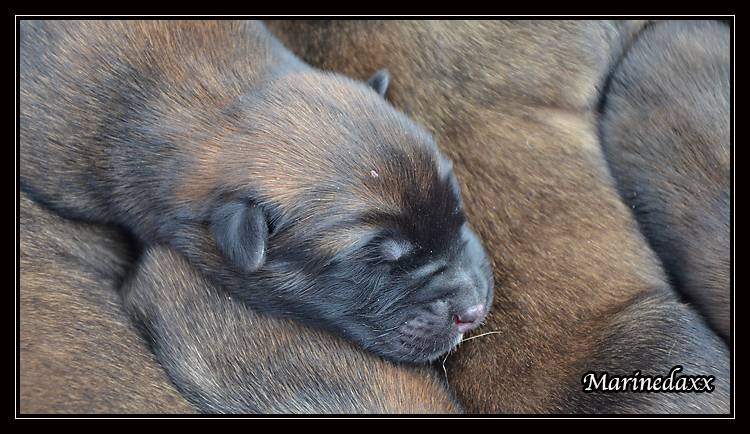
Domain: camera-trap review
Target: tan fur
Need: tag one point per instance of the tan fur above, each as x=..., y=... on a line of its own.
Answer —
x=288, y=147
x=79, y=351
x=512, y=103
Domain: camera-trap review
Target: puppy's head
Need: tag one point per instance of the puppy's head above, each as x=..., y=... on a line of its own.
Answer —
x=347, y=216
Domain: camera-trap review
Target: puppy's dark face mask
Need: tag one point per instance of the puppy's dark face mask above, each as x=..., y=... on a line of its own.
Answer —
x=404, y=283
x=355, y=223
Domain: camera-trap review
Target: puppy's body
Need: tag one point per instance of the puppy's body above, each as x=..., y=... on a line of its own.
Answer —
x=227, y=358
x=79, y=352
x=578, y=289
x=665, y=131
x=303, y=193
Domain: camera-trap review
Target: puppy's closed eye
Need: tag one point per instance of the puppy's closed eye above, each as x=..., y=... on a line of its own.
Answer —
x=393, y=249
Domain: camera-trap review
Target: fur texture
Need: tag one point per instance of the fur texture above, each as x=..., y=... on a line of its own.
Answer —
x=665, y=130
x=79, y=352
x=513, y=104
x=226, y=358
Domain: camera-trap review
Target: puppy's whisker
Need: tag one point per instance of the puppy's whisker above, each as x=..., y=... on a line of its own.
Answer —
x=445, y=370
x=497, y=332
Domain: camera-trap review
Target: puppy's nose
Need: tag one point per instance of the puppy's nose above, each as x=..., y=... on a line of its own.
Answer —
x=469, y=318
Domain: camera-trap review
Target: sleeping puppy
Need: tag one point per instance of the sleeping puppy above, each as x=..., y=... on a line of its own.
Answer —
x=665, y=131
x=513, y=103
x=226, y=358
x=79, y=352
x=301, y=192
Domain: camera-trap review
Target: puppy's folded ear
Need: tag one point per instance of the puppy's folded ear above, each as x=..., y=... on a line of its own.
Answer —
x=241, y=233
x=380, y=81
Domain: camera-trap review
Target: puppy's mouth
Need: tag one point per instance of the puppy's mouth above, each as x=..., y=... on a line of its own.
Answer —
x=405, y=349
x=425, y=339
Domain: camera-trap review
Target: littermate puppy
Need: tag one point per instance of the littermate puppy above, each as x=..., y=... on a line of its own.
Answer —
x=579, y=291
x=226, y=358
x=79, y=352
x=665, y=130
x=302, y=192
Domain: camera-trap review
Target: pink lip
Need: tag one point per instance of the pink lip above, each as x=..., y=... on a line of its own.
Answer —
x=464, y=327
